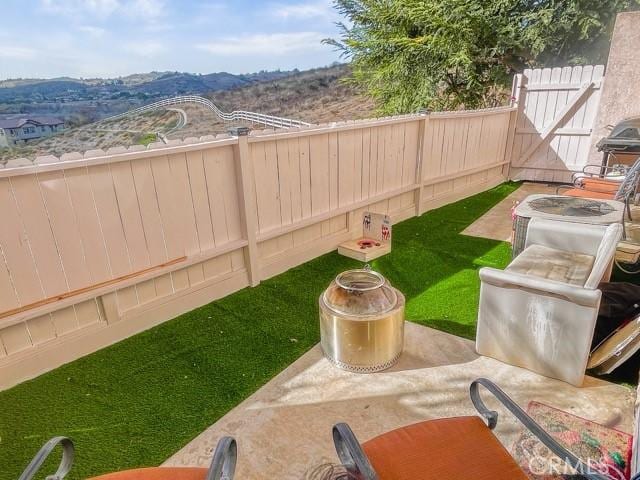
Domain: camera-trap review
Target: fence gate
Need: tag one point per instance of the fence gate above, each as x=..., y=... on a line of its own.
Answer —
x=556, y=114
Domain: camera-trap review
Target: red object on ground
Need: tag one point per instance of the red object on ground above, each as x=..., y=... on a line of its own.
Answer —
x=579, y=192
x=157, y=473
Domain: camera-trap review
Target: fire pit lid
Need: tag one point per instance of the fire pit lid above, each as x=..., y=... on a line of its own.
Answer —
x=360, y=292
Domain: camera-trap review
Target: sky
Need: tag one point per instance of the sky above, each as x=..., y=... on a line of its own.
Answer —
x=110, y=38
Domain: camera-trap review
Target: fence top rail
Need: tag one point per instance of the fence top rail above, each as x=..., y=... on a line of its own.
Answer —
x=159, y=149
x=548, y=71
x=472, y=113
x=271, y=134
x=116, y=154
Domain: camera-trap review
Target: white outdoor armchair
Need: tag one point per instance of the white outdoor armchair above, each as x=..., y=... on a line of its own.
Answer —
x=540, y=312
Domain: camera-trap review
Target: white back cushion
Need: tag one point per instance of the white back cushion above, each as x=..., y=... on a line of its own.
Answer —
x=568, y=236
x=604, y=256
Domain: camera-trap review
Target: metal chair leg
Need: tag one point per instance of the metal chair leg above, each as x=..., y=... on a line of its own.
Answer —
x=65, y=463
x=351, y=454
x=531, y=425
x=223, y=465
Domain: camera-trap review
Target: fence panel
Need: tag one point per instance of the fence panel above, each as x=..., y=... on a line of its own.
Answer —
x=556, y=114
x=96, y=249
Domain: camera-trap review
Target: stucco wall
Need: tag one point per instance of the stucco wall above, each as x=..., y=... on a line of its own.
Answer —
x=621, y=90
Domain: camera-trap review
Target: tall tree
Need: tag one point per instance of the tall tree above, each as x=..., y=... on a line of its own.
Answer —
x=444, y=54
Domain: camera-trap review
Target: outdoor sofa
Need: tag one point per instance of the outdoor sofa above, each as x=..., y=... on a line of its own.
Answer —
x=540, y=312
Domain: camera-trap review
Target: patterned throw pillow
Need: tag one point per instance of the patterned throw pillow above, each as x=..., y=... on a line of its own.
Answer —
x=606, y=450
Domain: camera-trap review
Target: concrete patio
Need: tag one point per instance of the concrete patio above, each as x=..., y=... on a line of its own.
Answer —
x=497, y=224
x=284, y=429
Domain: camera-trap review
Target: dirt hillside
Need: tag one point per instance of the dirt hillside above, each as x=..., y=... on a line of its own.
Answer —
x=314, y=96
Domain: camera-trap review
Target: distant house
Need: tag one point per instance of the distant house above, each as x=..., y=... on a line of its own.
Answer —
x=20, y=130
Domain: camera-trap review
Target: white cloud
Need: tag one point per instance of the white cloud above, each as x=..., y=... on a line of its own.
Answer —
x=146, y=48
x=17, y=53
x=95, y=32
x=96, y=8
x=265, y=44
x=313, y=9
x=147, y=10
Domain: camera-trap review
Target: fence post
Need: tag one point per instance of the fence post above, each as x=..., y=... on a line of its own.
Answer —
x=422, y=130
x=511, y=137
x=248, y=211
x=108, y=305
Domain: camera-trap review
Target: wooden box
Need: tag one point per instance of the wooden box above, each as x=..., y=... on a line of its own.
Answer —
x=375, y=240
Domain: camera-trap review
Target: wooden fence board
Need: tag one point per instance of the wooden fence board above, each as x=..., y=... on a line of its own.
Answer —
x=319, y=164
x=305, y=177
x=556, y=113
x=201, y=200
x=265, y=163
x=41, y=329
x=333, y=171
x=88, y=223
x=284, y=181
x=230, y=194
x=295, y=179
x=130, y=215
x=110, y=222
x=65, y=229
x=346, y=168
x=20, y=278
x=38, y=230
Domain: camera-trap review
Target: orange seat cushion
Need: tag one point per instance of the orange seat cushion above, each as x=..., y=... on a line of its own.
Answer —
x=157, y=473
x=600, y=185
x=578, y=192
x=445, y=449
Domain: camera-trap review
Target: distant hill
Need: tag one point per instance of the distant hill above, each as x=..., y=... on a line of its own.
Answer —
x=316, y=96
x=147, y=85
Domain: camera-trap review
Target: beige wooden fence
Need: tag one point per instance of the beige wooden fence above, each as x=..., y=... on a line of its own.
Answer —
x=97, y=247
x=557, y=109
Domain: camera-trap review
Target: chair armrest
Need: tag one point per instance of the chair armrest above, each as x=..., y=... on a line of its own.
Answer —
x=567, y=236
x=351, y=455
x=223, y=465
x=564, y=187
x=599, y=170
x=65, y=463
x=491, y=418
x=505, y=279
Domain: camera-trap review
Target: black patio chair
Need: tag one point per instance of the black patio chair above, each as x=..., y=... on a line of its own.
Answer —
x=223, y=465
x=450, y=448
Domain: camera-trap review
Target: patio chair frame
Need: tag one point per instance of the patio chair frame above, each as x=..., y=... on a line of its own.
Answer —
x=602, y=171
x=68, y=453
x=355, y=460
x=626, y=191
x=223, y=464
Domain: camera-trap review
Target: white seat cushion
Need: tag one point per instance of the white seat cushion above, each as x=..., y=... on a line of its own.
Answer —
x=552, y=264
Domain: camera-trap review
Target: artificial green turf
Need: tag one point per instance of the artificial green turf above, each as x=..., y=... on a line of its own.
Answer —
x=137, y=402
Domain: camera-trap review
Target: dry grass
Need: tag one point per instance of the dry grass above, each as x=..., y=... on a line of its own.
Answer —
x=314, y=96
x=126, y=131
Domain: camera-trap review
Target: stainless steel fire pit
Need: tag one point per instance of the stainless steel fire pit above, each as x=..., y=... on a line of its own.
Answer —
x=362, y=322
